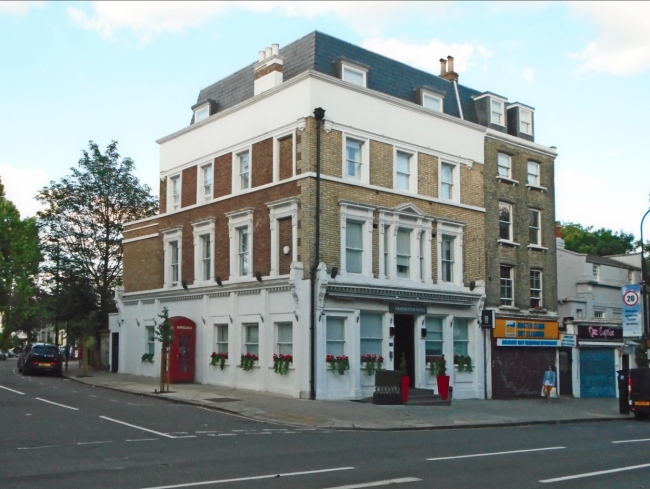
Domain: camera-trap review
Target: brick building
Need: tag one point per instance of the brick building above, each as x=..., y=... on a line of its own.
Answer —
x=359, y=233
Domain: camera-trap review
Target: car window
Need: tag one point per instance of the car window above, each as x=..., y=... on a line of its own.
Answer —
x=45, y=350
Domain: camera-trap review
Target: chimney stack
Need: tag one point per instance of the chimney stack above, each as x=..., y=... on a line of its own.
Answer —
x=268, y=69
x=447, y=69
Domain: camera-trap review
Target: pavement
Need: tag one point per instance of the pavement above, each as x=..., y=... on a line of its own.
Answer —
x=354, y=415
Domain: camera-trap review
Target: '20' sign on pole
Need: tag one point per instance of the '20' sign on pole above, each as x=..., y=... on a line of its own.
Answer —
x=632, y=313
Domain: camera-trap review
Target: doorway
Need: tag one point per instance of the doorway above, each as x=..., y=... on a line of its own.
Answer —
x=115, y=352
x=565, y=374
x=405, y=344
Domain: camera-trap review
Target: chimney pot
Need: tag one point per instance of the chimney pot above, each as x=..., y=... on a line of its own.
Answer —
x=268, y=52
x=450, y=60
x=443, y=66
x=275, y=49
x=262, y=56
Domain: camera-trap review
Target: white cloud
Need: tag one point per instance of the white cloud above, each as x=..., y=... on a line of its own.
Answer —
x=145, y=19
x=623, y=44
x=426, y=56
x=529, y=75
x=21, y=186
x=18, y=8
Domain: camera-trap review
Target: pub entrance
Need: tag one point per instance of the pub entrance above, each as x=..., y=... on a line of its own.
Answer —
x=405, y=344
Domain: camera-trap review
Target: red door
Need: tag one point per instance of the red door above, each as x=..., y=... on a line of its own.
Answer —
x=181, y=353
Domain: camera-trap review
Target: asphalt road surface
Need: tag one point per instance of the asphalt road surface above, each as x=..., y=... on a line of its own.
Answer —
x=55, y=433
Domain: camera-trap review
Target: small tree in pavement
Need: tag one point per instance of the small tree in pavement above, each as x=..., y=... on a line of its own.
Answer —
x=164, y=334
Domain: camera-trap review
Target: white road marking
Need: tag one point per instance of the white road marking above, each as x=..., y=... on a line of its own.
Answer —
x=138, y=427
x=258, y=433
x=386, y=482
x=204, y=432
x=258, y=477
x=11, y=390
x=631, y=441
x=57, y=404
x=113, y=400
x=497, y=453
x=144, y=439
x=92, y=442
x=592, y=474
x=223, y=434
x=37, y=448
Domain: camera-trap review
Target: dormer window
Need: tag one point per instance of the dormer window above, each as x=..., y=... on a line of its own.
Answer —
x=432, y=102
x=353, y=76
x=526, y=122
x=201, y=113
x=352, y=72
x=497, y=109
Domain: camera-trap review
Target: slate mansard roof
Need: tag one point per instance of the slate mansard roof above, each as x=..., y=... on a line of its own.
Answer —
x=318, y=52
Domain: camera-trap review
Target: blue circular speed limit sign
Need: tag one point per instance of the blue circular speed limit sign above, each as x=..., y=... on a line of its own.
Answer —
x=631, y=298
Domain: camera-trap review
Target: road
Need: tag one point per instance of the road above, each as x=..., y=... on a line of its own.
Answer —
x=56, y=433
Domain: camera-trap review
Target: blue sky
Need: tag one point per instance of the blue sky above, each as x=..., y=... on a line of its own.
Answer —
x=130, y=71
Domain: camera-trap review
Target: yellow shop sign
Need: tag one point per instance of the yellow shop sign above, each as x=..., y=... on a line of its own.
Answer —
x=525, y=329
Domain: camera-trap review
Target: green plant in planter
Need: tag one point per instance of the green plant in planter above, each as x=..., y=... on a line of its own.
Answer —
x=464, y=363
x=338, y=363
x=218, y=359
x=372, y=363
x=247, y=361
x=281, y=363
x=147, y=357
x=437, y=365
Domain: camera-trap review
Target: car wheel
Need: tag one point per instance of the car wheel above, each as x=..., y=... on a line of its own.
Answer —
x=639, y=416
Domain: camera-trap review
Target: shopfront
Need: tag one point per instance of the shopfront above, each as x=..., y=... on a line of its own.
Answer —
x=598, y=350
x=522, y=349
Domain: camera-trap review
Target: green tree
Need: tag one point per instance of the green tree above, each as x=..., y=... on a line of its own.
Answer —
x=602, y=242
x=83, y=221
x=19, y=259
x=165, y=334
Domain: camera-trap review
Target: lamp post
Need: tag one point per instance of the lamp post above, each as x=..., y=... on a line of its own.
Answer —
x=56, y=303
x=644, y=287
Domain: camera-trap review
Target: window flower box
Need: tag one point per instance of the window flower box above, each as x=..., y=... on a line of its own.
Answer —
x=218, y=360
x=281, y=363
x=338, y=363
x=372, y=363
x=247, y=361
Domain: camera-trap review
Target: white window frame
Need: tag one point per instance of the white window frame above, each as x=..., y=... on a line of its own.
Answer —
x=500, y=159
x=276, y=154
x=281, y=209
x=412, y=175
x=535, y=230
x=510, y=238
x=173, y=198
x=238, y=220
x=354, y=69
x=536, y=176
x=599, y=314
x=509, y=283
x=526, y=126
x=427, y=96
x=364, y=166
x=201, y=113
x=364, y=215
x=204, y=227
x=536, y=293
x=454, y=231
x=595, y=270
x=221, y=339
x=150, y=340
x=501, y=120
x=281, y=347
x=330, y=340
x=237, y=171
x=461, y=325
x=421, y=225
x=205, y=190
x=455, y=180
x=431, y=326
x=366, y=338
x=172, y=235
x=246, y=343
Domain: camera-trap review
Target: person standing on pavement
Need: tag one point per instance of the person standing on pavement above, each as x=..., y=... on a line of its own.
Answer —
x=68, y=350
x=548, y=382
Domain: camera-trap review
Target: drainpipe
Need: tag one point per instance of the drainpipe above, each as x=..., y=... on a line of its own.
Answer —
x=319, y=114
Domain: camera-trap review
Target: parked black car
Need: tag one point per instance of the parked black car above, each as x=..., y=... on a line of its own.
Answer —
x=639, y=385
x=41, y=357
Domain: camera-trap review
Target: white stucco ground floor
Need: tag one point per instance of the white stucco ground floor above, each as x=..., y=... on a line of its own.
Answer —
x=405, y=323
